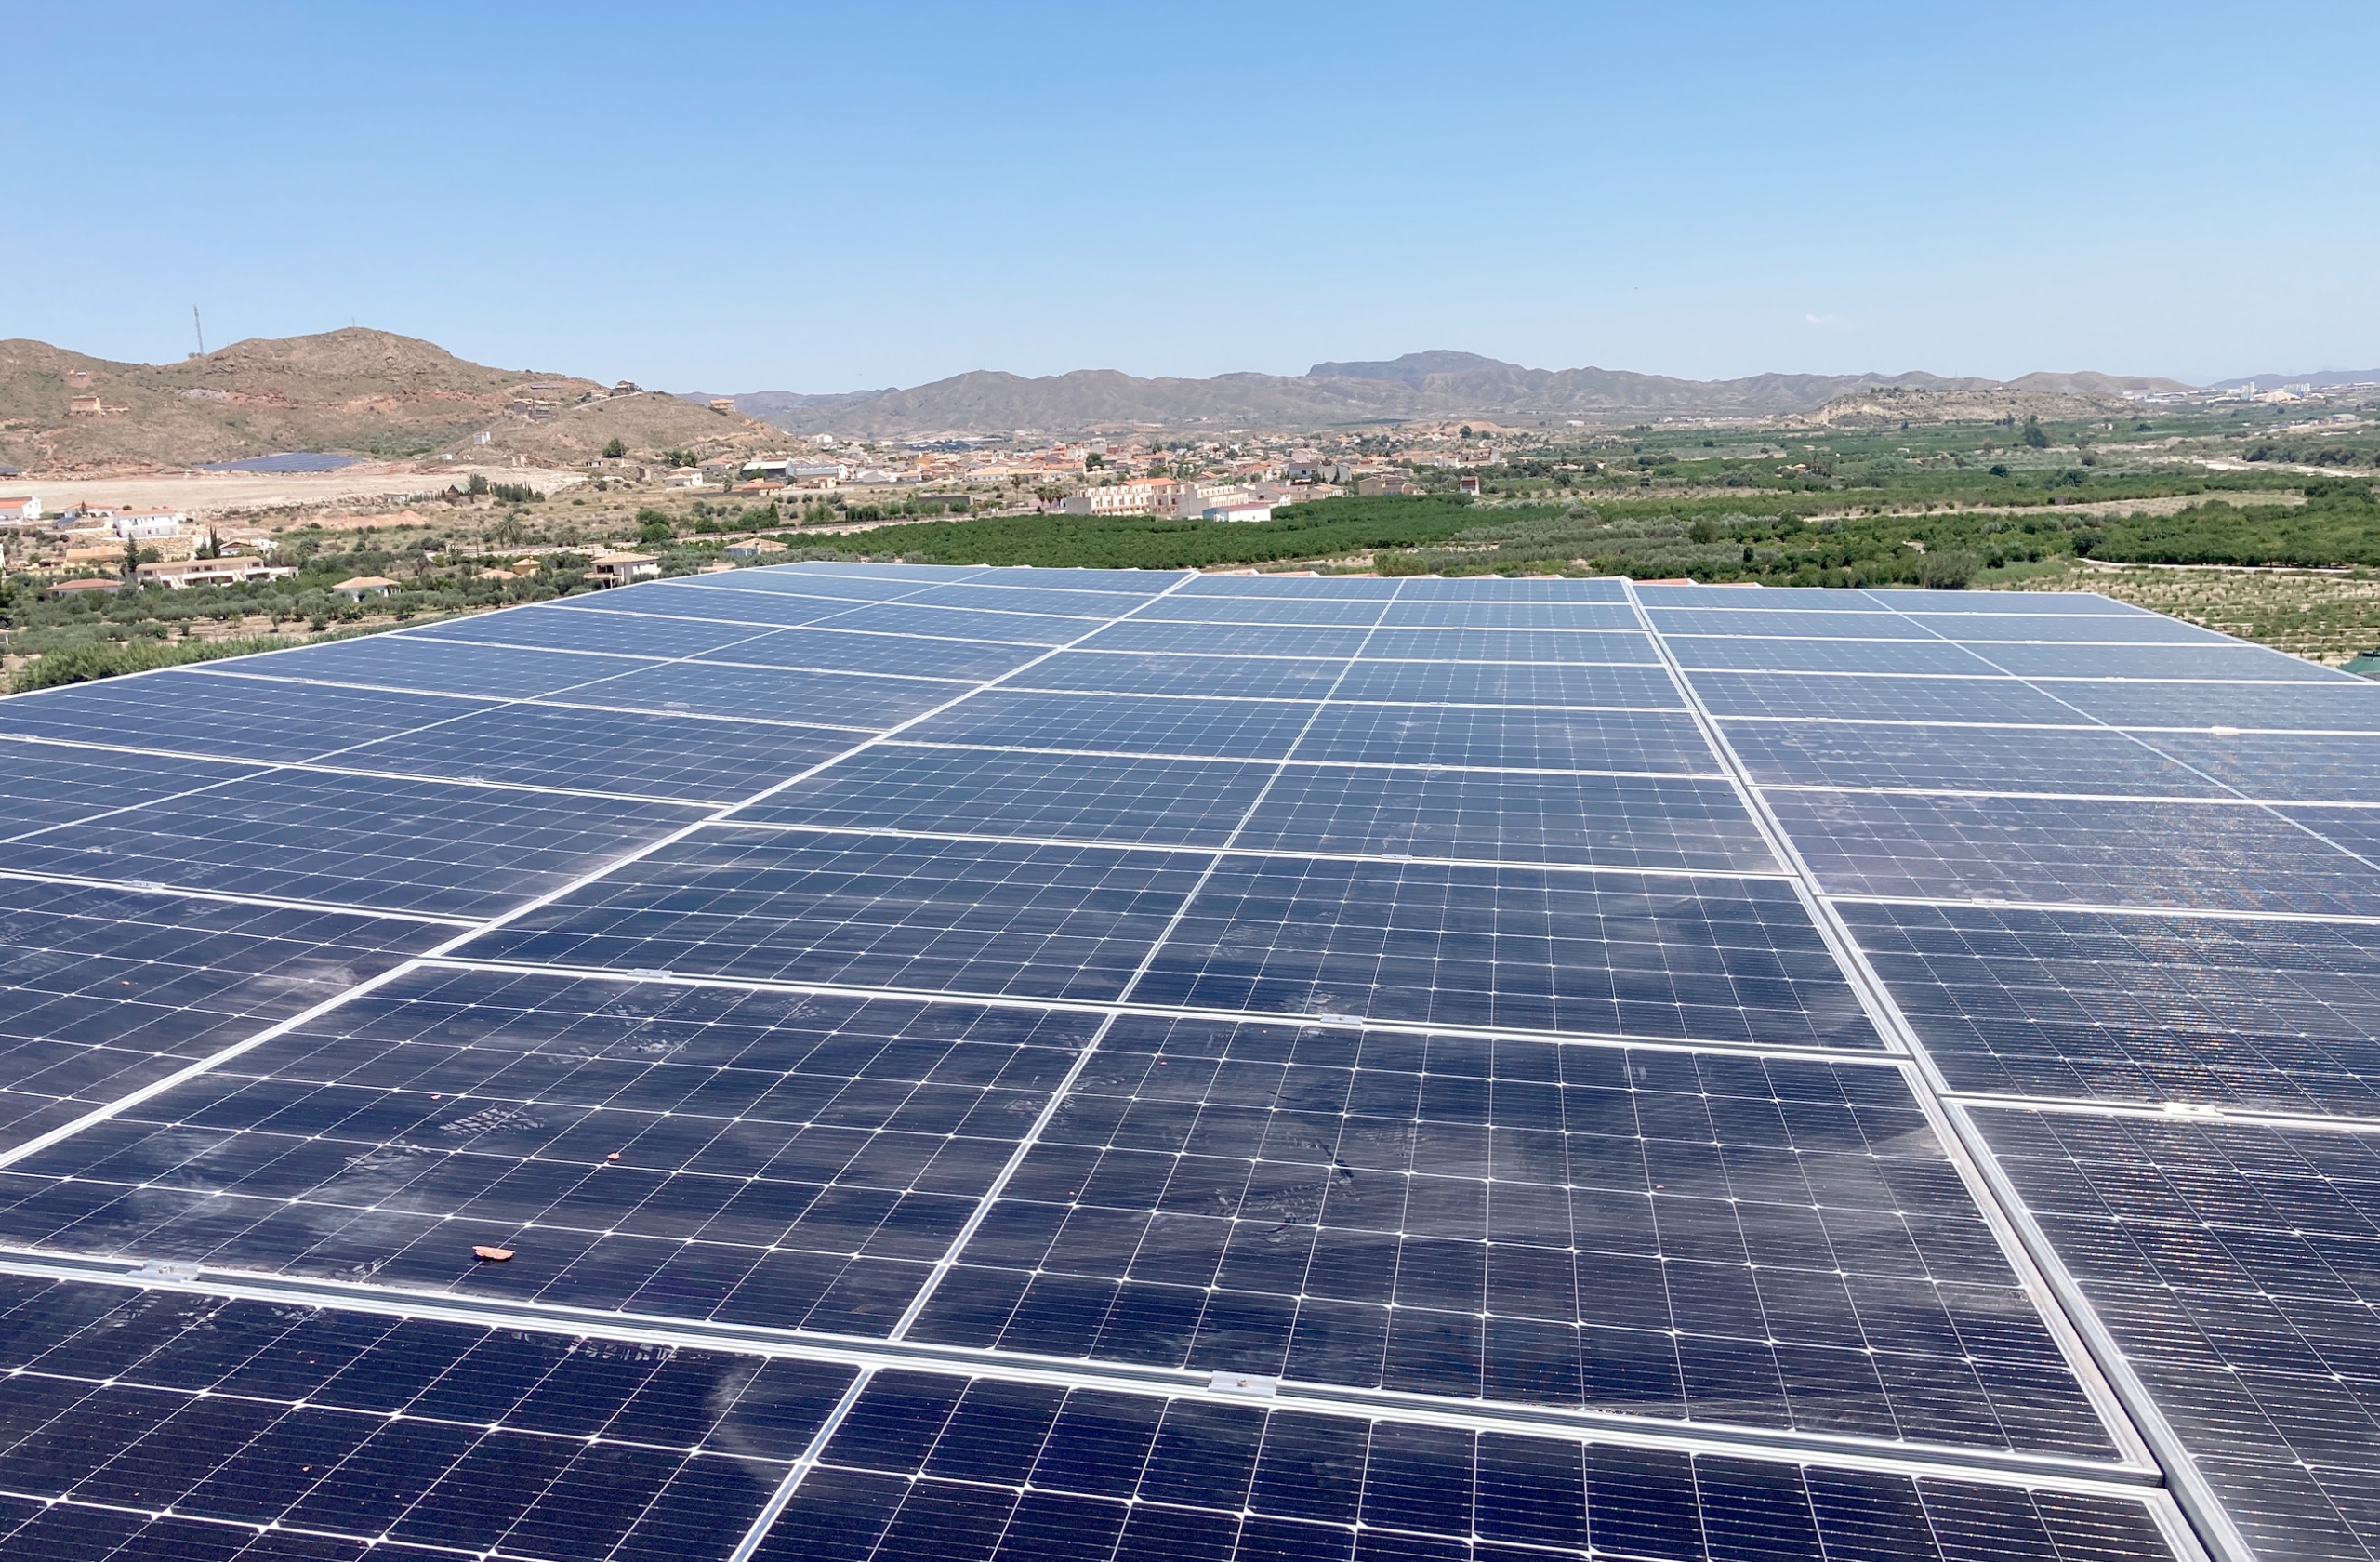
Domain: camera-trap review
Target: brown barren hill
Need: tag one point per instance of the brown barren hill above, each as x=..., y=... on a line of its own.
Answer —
x=352, y=393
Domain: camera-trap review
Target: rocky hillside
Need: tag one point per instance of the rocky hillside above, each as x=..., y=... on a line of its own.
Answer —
x=352, y=392
x=1418, y=385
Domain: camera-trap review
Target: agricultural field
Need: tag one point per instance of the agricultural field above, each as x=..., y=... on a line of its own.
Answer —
x=2198, y=514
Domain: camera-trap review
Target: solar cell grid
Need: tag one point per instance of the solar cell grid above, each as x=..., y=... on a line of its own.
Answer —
x=984, y=624
x=758, y=1159
x=43, y=786
x=391, y=845
x=1965, y=759
x=1183, y=674
x=1230, y=639
x=1246, y=609
x=1511, y=683
x=773, y=693
x=849, y=650
x=2334, y=768
x=1710, y=960
x=931, y=1466
x=1777, y=1244
x=2192, y=662
x=410, y=664
x=1488, y=737
x=1121, y=723
x=1789, y=696
x=998, y=595
x=1495, y=613
x=2350, y=707
x=990, y=918
x=104, y=991
x=1068, y=797
x=672, y=599
x=620, y=751
x=2080, y=605
x=1266, y=982
x=2235, y=1266
x=173, y=1426
x=209, y=711
x=554, y=628
x=2269, y=1016
x=1984, y=632
x=2216, y=855
x=1538, y=646
x=1607, y=821
x=1800, y=654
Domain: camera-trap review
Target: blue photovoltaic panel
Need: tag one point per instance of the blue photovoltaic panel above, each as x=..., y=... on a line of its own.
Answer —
x=2234, y=1266
x=157, y=1425
x=2082, y=760
x=1624, y=646
x=2193, y=662
x=1781, y=654
x=1384, y=986
x=1230, y=639
x=2349, y=705
x=1495, y=613
x=2153, y=855
x=43, y=786
x=2334, y=768
x=635, y=754
x=2079, y=604
x=1608, y=821
x=989, y=918
x=103, y=992
x=2270, y=1016
x=1182, y=674
x=1488, y=739
x=838, y=650
x=553, y=628
x=1986, y=631
x=988, y=623
x=1762, y=624
x=1814, y=600
x=694, y=605
x=419, y=846
x=1208, y=608
x=1719, y=960
x=1066, y=797
x=1789, y=696
x=206, y=711
x=1049, y=601
x=1121, y=723
x=772, y=694
x=1511, y=683
x=757, y=1158
x=939, y=1467
x=1778, y=1244
x=412, y=663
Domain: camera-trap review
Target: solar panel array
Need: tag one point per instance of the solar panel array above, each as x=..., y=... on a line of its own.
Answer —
x=1025, y=1063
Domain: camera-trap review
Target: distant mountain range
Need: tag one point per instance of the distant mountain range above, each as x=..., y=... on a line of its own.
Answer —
x=354, y=391
x=1418, y=385
x=2318, y=379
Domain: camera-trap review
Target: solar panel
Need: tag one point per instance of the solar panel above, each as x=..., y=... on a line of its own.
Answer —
x=2233, y=1265
x=880, y=1062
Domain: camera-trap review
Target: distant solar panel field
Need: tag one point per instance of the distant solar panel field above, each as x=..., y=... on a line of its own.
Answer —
x=874, y=1063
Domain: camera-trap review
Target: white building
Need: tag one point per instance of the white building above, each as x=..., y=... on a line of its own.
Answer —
x=138, y=524
x=1237, y=512
x=19, y=508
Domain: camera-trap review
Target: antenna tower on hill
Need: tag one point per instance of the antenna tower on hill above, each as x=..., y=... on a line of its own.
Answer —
x=201, y=329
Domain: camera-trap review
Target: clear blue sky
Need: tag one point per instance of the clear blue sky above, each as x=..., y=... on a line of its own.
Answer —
x=750, y=197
